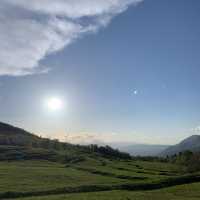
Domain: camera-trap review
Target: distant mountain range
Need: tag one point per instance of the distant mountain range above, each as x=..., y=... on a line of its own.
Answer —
x=140, y=149
x=191, y=143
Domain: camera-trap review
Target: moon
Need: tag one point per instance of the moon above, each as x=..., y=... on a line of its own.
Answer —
x=54, y=103
x=135, y=92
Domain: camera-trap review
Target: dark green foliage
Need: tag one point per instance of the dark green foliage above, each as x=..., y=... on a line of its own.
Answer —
x=150, y=158
x=187, y=158
x=108, y=152
x=24, y=153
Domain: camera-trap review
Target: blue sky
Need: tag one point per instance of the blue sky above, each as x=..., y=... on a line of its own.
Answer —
x=126, y=70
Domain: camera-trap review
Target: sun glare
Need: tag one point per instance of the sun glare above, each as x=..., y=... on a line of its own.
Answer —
x=54, y=104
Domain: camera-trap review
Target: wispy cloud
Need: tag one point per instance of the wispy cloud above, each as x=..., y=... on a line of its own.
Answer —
x=88, y=137
x=31, y=30
x=196, y=129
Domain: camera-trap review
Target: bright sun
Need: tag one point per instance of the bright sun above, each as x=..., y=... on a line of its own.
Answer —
x=54, y=103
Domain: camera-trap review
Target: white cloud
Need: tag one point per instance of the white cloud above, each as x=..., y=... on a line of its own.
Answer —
x=31, y=30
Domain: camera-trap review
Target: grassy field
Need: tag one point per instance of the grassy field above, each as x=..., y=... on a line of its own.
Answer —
x=111, y=179
x=44, y=175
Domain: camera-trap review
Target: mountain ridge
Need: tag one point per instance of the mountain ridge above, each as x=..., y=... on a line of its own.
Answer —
x=191, y=143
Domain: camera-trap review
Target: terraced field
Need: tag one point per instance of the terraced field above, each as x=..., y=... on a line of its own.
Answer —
x=94, y=178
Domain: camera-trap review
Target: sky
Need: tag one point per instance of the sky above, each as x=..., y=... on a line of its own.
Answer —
x=124, y=70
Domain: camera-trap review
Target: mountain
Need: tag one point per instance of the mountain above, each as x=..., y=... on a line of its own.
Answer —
x=144, y=149
x=191, y=143
x=140, y=149
x=10, y=135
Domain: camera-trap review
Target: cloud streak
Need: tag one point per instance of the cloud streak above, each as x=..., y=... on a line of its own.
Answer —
x=32, y=30
x=196, y=129
x=88, y=137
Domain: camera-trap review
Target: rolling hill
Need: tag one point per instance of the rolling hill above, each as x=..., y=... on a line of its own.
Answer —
x=10, y=135
x=16, y=144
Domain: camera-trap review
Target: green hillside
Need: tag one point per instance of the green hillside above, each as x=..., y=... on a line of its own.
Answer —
x=34, y=168
x=18, y=144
